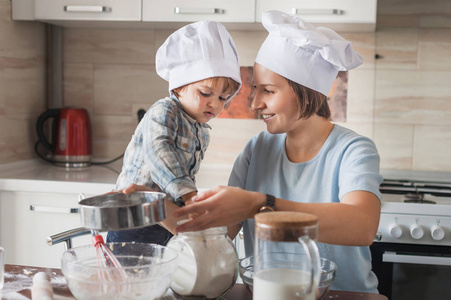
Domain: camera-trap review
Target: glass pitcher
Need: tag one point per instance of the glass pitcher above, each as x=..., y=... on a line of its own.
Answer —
x=287, y=261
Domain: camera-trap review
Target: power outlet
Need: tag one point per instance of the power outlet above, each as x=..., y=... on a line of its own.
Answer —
x=141, y=112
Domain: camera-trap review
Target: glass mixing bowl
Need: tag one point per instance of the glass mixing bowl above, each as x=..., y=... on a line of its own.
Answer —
x=328, y=269
x=148, y=270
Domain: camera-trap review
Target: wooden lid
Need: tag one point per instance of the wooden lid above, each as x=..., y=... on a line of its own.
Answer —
x=285, y=226
x=285, y=219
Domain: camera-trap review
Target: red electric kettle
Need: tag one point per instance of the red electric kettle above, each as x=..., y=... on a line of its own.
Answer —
x=70, y=143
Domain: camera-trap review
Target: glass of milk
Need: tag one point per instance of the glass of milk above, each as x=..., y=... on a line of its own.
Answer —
x=287, y=261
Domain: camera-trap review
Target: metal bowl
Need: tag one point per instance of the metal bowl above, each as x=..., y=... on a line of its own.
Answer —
x=122, y=211
x=327, y=277
x=148, y=268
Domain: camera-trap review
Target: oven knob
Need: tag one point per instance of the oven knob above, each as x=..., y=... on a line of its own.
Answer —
x=416, y=231
x=437, y=232
x=395, y=230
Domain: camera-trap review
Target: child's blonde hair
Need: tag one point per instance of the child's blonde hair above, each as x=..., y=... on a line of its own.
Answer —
x=228, y=85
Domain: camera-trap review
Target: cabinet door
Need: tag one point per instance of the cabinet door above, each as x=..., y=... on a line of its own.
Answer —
x=323, y=11
x=24, y=232
x=95, y=10
x=197, y=10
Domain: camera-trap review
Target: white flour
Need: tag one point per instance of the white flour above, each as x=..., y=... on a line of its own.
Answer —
x=207, y=264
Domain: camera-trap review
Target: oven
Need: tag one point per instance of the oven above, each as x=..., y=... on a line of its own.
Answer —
x=411, y=254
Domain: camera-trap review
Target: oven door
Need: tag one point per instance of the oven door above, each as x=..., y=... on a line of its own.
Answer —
x=411, y=272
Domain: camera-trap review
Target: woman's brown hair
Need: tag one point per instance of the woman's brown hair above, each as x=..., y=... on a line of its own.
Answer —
x=310, y=101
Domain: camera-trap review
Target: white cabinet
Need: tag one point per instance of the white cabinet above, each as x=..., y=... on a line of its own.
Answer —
x=341, y=15
x=88, y=10
x=24, y=232
x=191, y=11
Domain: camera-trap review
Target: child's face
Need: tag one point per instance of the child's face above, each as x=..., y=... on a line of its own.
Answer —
x=201, y=101
x=275, y=101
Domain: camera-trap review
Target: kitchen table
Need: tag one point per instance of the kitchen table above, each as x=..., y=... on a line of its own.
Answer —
x=18, y=282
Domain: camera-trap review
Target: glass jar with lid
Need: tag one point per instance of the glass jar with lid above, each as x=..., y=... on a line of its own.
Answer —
x=287, y=260
x=208, y=263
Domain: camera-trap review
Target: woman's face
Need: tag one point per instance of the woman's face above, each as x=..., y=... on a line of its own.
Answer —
x=201, y=101
x=275, y=101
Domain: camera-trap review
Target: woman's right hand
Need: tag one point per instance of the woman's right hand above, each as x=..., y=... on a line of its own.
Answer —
x=220, y=206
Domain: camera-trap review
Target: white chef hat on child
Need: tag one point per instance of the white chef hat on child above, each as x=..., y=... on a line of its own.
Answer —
x=195, y=52
x=303, y=53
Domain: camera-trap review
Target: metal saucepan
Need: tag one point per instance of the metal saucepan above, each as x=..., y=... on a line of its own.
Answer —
x=122, y=211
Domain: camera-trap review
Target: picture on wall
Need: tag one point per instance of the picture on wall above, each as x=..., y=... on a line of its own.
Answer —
x=240, y=106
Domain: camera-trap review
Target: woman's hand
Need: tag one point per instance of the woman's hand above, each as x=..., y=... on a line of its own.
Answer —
x=221, y=206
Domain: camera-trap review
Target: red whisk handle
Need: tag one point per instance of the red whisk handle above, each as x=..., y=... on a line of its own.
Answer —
x=98, y=239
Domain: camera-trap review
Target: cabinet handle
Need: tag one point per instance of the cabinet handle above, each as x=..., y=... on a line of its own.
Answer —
x=50, y=209
x=89, y=9
x=200, y=10
x=317, y=11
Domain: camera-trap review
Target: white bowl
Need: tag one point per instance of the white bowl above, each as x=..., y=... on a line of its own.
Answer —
x=148, y=270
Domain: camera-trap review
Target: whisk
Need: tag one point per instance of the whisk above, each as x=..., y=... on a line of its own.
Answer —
x=108, y=266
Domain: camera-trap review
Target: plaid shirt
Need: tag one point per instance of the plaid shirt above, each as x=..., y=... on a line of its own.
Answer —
x=166, y=150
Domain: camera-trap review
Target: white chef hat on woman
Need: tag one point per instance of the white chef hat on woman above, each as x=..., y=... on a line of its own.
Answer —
x=303, y=53
x=195, y=52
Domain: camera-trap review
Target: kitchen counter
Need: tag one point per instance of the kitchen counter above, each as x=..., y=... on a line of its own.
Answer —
x=39, y=176
x=18, y=282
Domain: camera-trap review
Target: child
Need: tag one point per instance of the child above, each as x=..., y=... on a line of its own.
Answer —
x=200, y=63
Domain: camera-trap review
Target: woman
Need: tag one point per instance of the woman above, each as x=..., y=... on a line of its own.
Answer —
x=309, y=164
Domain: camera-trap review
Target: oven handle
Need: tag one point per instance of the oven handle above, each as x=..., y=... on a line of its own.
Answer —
x=389, y=256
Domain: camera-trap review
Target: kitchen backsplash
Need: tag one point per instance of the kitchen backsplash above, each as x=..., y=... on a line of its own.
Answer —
x=402, y=100
x=22, y=84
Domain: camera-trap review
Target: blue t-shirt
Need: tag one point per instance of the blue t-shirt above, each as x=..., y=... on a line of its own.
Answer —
x=346, y=162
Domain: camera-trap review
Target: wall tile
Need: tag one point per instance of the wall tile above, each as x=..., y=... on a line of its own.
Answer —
x=228, y=138
x=22, y=84
x=413, y=7
x=436, y=21
x=431, y=148
x=111, y=135
x=404, y=97
x=394, y=143
x=248, y=43
x=109, y=46
x=365, y=44
x=398, y=48
x=434, y=49
x=20, y=39
x=78, y=85
x=117, y=87
x=17, y=137
x=399, y=21
x=360, y=103
x=160, y=37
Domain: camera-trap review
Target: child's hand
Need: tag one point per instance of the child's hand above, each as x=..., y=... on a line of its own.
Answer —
x=188, y=201
x=134, y=188
x=187, y=197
